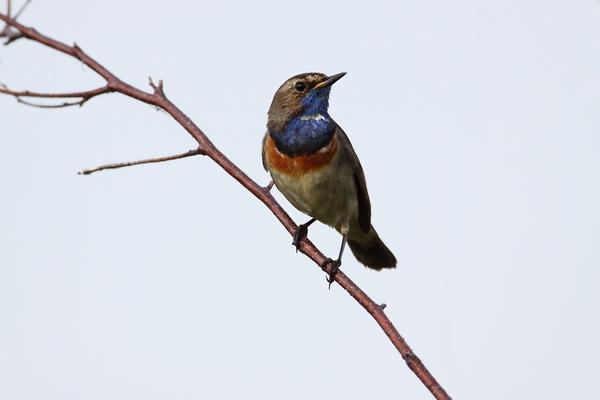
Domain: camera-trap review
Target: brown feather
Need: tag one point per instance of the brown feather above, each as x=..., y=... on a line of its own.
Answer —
x=364, y=204
x=297, y=165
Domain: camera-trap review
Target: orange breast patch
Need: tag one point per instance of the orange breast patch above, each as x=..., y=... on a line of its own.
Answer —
x=298, y=165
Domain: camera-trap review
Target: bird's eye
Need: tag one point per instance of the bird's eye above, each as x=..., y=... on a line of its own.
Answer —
x=300, y=86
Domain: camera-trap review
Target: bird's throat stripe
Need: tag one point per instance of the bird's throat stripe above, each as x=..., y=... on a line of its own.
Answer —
x=301, y=164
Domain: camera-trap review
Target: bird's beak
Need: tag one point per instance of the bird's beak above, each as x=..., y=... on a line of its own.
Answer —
x=329, y=81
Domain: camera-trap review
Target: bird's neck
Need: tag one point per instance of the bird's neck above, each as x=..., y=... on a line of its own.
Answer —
x=305, y=134
x=316, y=102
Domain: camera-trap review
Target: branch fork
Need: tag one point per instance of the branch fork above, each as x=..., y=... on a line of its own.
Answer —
x=158, y=88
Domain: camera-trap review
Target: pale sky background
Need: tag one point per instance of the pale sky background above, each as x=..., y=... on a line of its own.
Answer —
x=478, y=127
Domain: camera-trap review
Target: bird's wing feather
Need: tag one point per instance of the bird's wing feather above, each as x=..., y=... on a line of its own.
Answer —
x=264, y=161
x=364, y=204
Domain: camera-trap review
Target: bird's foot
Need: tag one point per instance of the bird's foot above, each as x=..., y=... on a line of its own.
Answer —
x=335, y=266
x=300, y=234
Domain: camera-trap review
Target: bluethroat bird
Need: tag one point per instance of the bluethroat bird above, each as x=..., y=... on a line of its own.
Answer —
x=313, y=164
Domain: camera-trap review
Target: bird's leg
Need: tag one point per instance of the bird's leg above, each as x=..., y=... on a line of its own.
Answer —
x=268, y=187
x=335, y=264
x=301, y=232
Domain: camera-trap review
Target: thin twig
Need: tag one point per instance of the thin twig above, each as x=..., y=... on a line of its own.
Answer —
x=189, y=153
x=11, y=34
x=158, y=88
x=23, y=7
x=28, y=93
x=158, y=99
x=85, y=96
x=60, y=105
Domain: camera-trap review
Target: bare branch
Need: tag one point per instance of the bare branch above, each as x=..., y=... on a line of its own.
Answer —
x=159, y=100
x=189, y=153
x=28, y=93
x=85, y=96
x=158, y=89
x=11, y=34
x=60, y=105
x=23, y=7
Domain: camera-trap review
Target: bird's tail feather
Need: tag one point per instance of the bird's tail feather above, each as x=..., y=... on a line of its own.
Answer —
x=370, y=251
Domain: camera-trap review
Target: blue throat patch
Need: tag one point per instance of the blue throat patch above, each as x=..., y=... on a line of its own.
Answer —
x=309, y=131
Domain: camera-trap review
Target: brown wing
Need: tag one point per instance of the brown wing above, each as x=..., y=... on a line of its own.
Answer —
x=264, y=161
x=364, y=204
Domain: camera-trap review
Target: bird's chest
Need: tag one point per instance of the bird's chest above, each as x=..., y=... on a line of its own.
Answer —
x=304, y=135
x=316, y=184
x=303, y=146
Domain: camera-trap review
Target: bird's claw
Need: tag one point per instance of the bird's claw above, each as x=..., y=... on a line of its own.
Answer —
x=335, y=266
x=300, y=234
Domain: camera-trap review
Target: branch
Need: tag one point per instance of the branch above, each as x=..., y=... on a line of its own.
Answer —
x=11, y=34
x=189, y=153
x=23, y=7
x=84, y=96
x=158, y=99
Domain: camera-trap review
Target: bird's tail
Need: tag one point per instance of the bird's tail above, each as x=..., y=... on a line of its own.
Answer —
x=370, y=251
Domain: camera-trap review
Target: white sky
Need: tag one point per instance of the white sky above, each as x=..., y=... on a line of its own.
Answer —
x=477, y=125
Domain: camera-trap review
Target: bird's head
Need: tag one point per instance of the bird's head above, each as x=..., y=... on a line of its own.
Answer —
x=304, y=94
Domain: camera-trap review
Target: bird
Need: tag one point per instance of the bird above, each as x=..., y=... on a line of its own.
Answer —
x=313, y=164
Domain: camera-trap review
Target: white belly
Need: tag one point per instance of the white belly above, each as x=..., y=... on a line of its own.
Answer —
x=327, y=194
